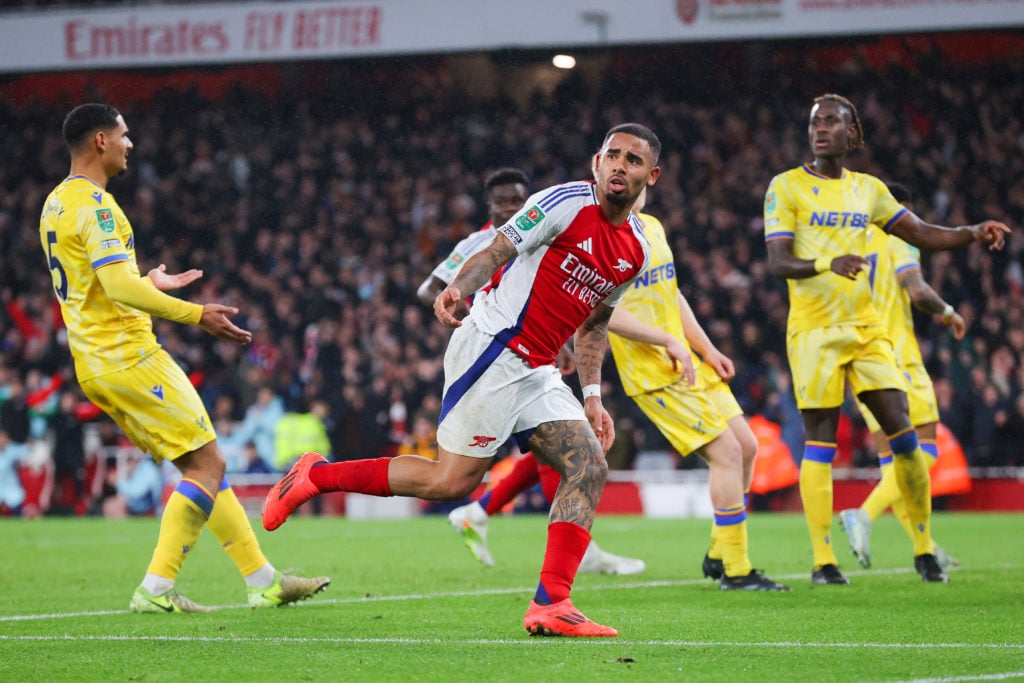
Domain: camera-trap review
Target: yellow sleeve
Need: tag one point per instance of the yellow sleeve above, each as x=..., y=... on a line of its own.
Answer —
x=122, y=286
x=779, y=212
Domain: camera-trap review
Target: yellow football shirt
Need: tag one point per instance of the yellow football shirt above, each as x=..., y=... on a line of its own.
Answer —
x=828, y=217
x=654, y=299
x=890, y=257
x=82, y=229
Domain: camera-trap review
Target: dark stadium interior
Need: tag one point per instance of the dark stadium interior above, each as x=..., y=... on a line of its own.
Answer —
x=317, y=196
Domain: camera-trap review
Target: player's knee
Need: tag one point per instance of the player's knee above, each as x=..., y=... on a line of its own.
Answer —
x=748, y=449
x=216, y=467
x=726, y=459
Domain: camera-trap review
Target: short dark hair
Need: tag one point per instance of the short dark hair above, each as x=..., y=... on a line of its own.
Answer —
x=506, y=176
x=901, y=193
x=86, y=119
x=639, y=131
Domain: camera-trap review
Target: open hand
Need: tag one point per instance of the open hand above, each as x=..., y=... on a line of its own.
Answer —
x=165, y=282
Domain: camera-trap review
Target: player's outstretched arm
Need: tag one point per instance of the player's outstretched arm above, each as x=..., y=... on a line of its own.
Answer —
x=940, y=238
x=120, y=284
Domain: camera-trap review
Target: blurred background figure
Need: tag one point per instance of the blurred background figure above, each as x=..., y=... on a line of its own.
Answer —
x=138, y=486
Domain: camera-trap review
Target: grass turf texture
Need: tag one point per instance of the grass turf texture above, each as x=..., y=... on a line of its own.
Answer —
x=409, y=603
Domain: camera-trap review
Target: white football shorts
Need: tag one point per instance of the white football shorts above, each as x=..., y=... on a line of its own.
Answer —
x=491, y=394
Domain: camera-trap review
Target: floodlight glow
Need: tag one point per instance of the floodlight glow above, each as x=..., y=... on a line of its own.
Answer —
x=564, y=61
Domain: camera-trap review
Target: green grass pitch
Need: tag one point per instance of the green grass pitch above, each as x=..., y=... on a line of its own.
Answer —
x=408, y=603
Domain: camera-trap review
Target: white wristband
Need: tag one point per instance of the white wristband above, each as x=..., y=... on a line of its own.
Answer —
x=947, y=312
x=591, y=390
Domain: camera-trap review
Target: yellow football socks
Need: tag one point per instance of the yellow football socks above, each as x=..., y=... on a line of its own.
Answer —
x=911, y=473
x=731, y=542
x=231, y=526
x=816, y=494
x=886, y=493
x=184, y=516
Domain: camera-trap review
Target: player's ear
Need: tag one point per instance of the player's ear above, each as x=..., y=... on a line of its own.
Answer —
x=655, y=172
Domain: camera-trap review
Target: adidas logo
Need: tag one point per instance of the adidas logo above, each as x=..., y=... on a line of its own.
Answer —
x=572, y=618
x=586, y=245
x=286, y=484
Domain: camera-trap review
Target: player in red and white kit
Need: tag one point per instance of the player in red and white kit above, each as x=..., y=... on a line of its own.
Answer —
x=506, y=191
x=567, y=257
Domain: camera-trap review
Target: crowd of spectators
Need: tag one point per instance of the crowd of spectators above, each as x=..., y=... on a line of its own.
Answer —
x=318, y=210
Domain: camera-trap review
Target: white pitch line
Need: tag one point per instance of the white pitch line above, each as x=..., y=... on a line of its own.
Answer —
x=528, y=641
x=376, y=598
x=447, y=594
x=1009, y=675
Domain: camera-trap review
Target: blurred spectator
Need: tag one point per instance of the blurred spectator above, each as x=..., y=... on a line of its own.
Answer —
x=258, y=426
x=1011, y=436
x=250, y=461
x=12, y=494
x=69, y=494
x=298, y=433
x=987, y=416
x=138, y=486
x=422, y=437
x=14, y=412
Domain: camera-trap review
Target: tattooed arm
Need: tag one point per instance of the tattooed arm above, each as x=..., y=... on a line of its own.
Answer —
x=591, y=343
x=473, y=275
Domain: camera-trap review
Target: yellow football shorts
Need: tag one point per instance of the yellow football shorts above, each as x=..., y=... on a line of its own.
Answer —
x=691, y=417
x=822, y=360
x=155, y=405
x=920, y=395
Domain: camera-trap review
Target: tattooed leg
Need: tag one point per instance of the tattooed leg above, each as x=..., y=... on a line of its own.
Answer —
x=570, y=447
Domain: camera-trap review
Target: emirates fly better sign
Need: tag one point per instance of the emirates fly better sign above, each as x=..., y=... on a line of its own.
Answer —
x=195, y=33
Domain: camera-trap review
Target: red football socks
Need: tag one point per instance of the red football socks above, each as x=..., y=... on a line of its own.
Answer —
x=549, y=480
x=522, y=476
x=356, y=476
x=566, y=544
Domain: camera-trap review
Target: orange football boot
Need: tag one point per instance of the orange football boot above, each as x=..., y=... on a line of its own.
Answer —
x=563, y=619
x=291, y=492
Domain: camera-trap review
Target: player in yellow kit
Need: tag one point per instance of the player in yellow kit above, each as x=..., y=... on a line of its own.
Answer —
x=652, y=330
x=815, y=219
x=107, y=308
x=896, y=283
